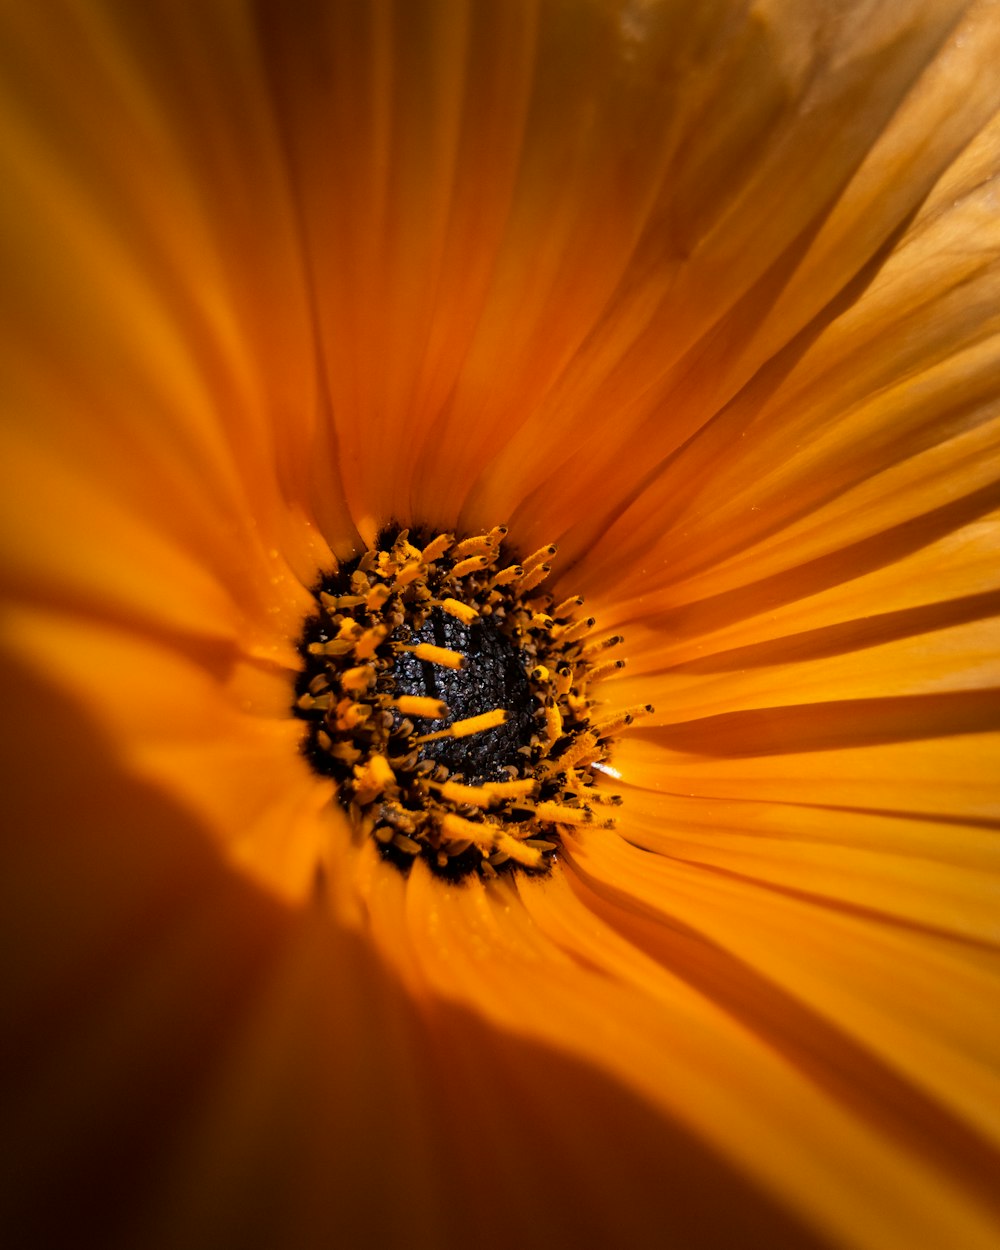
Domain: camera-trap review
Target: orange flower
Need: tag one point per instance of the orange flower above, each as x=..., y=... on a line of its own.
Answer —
x=709, y=297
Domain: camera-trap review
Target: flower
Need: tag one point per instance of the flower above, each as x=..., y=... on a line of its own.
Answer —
x=704, y=293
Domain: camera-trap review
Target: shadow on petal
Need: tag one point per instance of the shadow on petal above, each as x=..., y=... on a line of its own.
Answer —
x=189, y=1063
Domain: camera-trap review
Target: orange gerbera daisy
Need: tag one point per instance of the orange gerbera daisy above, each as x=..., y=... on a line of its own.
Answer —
x=706, y=295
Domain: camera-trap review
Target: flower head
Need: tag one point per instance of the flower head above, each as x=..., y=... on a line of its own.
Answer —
x=706, y=296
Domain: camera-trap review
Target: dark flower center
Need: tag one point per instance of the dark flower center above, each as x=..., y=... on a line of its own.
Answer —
x=493, y=677
x=449, y=698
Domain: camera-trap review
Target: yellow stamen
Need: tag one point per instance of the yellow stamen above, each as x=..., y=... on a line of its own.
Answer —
x=407, y=574
x=372, y=778
x=567, y=607
x=595, y=648
x=583, y=746
x=336, y=646
x=486, y=795
x=350, y=715
x=563, y=682
x=458, y=828
x=604, y=670
x=359, y=678
x=369, y=642
x=529, y=856
x=418, y=705
x=464, y=728
x=461, y=611
x=377, y=597
x=403, y=550
x=533, y=578
x=572, y=633
x=336, y=603
x=560, y=815
x=512, y=789
x=591, y=794
x=489, y=836
x=315, y=703
x=553, y=723
x=510, y=574
x=472, y=565
x=455, y=792
x=443, y=656
x=436, y=547
x=620, y=719
x=536, y=557
x=477, y=724
x=480, y=545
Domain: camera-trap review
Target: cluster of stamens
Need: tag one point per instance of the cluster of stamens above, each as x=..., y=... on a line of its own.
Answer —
x=452, y=702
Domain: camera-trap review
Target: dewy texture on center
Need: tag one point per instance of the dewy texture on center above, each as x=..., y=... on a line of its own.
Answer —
x=452, y=702
x=493, y=677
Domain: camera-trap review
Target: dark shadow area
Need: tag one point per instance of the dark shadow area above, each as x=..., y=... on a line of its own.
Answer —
x=133, y=960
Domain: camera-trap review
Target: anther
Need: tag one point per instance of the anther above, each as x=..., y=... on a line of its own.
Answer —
x=407, y=574
x=605, y=669
x=573, y=633
x=465, y=728
x=377, y=597
x=620, y=719
x=369, y=642
x=480, y=545
x=537, y=557
x=487, y=795
x=336, y=603
x=562, y=815
x=567, y=607
x=533, y=577
x=336, y=646
x=553, y=723
x=359, y=678
x=403, y=549
x=372, y=779
x=437, y=547
x=419, y=705
x=581, y=748
x=518, y=850
x=511, y=573
x=460, y=611
x=473, y=564
x=595, y=648
x=443, y=656
x=351, y=715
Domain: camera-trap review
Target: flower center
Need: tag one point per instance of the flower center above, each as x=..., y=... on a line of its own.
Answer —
x=452, y=701
x=493, y=676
